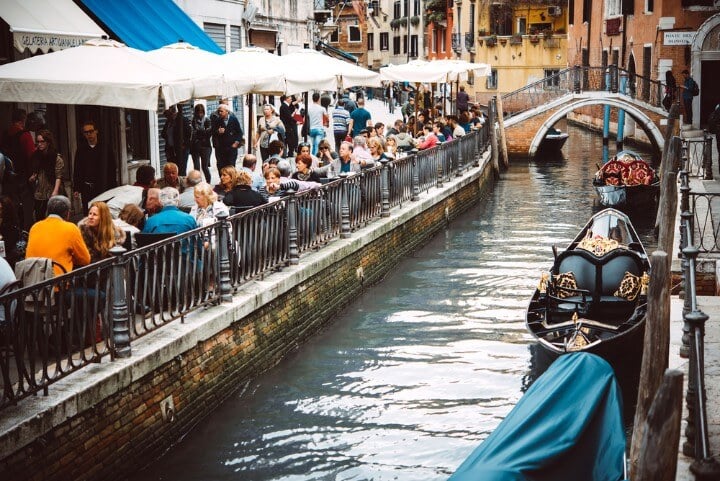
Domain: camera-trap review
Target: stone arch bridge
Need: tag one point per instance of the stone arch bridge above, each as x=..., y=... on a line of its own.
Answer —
x=532, y=110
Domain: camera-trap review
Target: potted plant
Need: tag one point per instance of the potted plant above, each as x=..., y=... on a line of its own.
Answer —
x=395, y=23
x=491, y=41
x=516, y=39
x=402, y=22
x=534, y=38
x=415, y=20
x=482, y=32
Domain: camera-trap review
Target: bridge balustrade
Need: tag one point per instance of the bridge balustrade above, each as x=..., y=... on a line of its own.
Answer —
x=53, y=328
x=583, y=79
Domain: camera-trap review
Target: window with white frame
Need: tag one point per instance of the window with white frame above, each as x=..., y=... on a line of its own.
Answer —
x=371, y=41
x=492, y=80
x=384, y=41
x=613, y=8
x=354, y=35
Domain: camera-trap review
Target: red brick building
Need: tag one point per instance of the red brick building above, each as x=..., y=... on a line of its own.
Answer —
x=650, y=37
x=439, y=28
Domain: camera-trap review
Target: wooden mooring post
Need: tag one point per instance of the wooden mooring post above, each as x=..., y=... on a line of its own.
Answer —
x=658, y=450
x=668, y=160
x=501, y=124
x=667, y=210
x=656, y=350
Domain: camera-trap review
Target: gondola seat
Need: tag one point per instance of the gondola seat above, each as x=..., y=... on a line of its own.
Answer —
x=597, y=293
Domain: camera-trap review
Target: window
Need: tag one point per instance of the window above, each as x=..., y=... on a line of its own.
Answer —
x=443, y=46
x=613, y=8
x=384, y=41
x=416, y=8
x=472, y=18
x=396, y=45
x=521, y=26
x=414, y=46
x=628, y=7
x=396, y=9
x=371, y=41
x=552, y=79
x=354, y=34
x=334, y=36
x=375, y=6
x=492, y=80
x=649, y=6
x=405, y=44
x=587, y=7
x=406, y=8
x=571, y=12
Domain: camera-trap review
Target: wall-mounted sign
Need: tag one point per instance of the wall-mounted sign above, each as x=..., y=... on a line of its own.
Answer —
x=678, y=38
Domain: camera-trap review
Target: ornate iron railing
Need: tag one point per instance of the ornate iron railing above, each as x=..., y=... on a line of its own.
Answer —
x=583, y=79
x=58, y=326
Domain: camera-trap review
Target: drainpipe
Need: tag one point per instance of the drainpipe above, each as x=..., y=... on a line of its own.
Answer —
x=621, y=113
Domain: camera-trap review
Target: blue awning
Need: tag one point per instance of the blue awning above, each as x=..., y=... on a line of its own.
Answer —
x=148, y=24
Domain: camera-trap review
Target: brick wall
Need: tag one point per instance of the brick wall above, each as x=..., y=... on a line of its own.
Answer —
x=126, y=430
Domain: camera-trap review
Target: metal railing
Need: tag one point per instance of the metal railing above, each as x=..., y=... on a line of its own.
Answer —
x=704, y=206
x=58, y=326
x=697, y=443
x=583, y=79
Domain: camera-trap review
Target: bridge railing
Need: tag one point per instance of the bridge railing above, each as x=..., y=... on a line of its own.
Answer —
x=583, y=79
x=53, y=328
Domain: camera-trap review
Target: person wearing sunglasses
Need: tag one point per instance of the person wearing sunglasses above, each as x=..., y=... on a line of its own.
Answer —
x=47, y=172
x=93, y=165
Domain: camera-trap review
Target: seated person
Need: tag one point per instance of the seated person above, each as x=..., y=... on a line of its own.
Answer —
x=187, y=198
x=170, y=178
x=243, y=195
x=325, y=153
x=207, y=206
x=170, y=219
x=228, y=180
x=131, y=220
x=249, y=166
x=278, y=186
x=430, y=140
x=303, y=164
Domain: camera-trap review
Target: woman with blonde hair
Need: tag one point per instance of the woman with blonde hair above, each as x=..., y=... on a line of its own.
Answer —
x=100, y=232
x=228, y=181
x=207, y=206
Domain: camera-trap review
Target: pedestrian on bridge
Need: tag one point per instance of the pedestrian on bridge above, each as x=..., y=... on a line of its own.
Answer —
x=690, y=90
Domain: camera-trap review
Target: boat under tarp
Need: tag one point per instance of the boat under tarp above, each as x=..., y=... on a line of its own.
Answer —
x=567, y=427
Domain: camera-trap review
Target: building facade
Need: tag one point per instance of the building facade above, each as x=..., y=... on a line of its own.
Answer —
x=650, y=38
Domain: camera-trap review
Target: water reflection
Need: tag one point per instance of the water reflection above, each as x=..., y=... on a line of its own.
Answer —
x=408, y=379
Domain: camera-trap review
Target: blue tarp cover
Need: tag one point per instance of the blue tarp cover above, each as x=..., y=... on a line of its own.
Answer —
x=149, y=24
x=567, y=427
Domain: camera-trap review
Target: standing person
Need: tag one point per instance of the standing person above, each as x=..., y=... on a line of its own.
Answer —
x=340, y=118
x=176, y=133
x=47, y=172
x=714, y=125
x=359, y=118
x=462, y=100
x=19, y=145
x=670, y=89
x=391, y=97
x=408, y=109
x=269, y=128
x=200, y=148
x=93, y=160
x=690, y=90
x=229, y=137
x=287, y=110
x=317, y=116
x=58, y=239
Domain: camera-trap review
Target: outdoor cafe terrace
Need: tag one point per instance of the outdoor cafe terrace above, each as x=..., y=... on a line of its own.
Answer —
x=51, y=329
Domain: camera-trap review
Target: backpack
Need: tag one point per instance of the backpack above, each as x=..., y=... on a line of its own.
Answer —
x=695, y=90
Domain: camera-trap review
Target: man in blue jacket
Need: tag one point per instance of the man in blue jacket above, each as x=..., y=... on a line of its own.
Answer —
x=690, y=90
x=170, y=219
x=229, y=136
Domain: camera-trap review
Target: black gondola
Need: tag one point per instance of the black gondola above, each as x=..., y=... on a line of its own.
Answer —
x=594, y=298
x=626, y=181
x=553, y=140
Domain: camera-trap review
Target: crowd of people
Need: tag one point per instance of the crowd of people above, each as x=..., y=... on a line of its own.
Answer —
x=181, y=200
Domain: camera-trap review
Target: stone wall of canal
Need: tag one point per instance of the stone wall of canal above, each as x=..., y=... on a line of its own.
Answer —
x=109, y=420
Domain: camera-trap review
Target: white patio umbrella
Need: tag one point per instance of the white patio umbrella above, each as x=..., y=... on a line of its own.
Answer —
x=322, y=72
x=99, y=72
x=263, y=70
x=433, y=71
x=203, y=67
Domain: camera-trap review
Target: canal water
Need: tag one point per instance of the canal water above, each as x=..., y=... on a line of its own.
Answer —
x=412, y=376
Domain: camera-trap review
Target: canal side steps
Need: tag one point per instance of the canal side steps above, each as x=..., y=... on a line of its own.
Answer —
x=111, y=419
